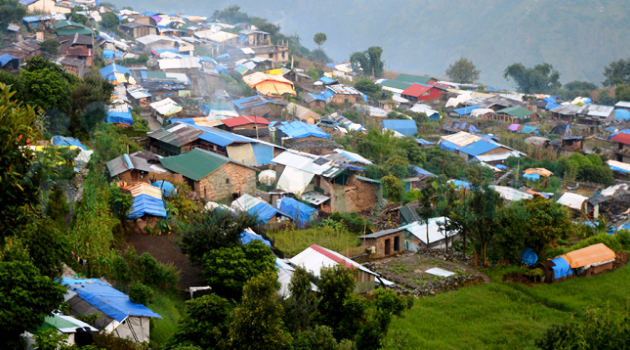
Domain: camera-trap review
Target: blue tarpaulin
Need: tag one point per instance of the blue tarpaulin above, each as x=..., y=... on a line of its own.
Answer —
x=147, y=205
x=327, y=80
x=466, y=111
x=550, y=100
x=622, y=114
x=108, y=54
x=532, y=177
x=265, y=212
x=300, y=212
x=67, y=141
x=263, y=153
x=167, y=187
x=562, y=268
x=419, y=171
x=107, y=299
x=500, y=166
x=552, y=105
x=460, y=184
x=404, y=126
x=6, y=58
x=478, y=148
x=108, y=72
x=529, y=257
x=448, y=146
x=298, y=129
x=248, y=237
x=490, y=88
x=424, y=142
x=119, y=117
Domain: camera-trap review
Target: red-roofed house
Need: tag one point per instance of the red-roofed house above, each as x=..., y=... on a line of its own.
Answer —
x=623, y=153
x=421, y=92
x=254, y=127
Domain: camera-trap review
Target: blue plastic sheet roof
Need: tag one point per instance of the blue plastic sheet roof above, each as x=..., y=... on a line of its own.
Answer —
x=490, y=88
x=619, y=113
x=318, y=97
x=562, y=268
x=532, y=177
x=119, y=117
x=529, y=257
x=167, y=187
x=404, y=126
x=221, y=138
x=478, y=148
x=108, y=72
x=298, y=211
x=327, y=80
x=327, y=94
x=460, y=184
x=67, y=141
x=418, y=170
x=466, y=111
x=109, y=54
x=147, y=205
x=6, y=58
x=550, y=100
x=614, y=168
x=239, y=103
x=149, y=13
x=298, y=129
x=263, y=153
x=527, y=129
x=500, y=166
x=248, y=237
x=552, y=105
x=265, y=212
x=424, y=142
x=107, y=299
x=448, y=146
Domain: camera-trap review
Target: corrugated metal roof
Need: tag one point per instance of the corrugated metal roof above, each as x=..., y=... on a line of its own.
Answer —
x=622, y=104
x=622, y=138
x=497, y=156
x=118, y=165
x=406, y=127
x=342, y=89
x=195, y=164
x=382, y=233
x=512, y=194
x=366, y=179
x=177, y=134
x=600, y=111
x=411, y=78
x=478, y=148
x=416, y=90
x=307, y=162
x=299, y=129
x=462, y=138
x=353, y=157
x=315, y=257
x=244, y=120
x=567, y=109
x=435, y=233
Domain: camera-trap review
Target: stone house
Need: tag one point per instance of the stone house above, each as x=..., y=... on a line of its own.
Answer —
x=301, y=113
x=345, y=94
x=212, y=176
x=387, y=242
x=260, y=106
x=129, y=168
x=138, y=29
x=254, y=127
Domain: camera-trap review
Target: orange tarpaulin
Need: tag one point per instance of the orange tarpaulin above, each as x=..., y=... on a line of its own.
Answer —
x=590, y=255
x=539, y=171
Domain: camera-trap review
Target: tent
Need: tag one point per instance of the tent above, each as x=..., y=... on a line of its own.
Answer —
x=249, y=235
x=115, y=74
x=529, y=257
x=167, y=187
x=298, y=211
x=147, y=205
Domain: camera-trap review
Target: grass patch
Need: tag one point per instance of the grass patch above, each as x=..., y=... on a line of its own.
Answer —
x=292, y=241
x=507, y=316
x=171, y=310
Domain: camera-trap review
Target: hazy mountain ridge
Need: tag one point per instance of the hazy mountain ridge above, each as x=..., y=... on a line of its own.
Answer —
x=578, y=37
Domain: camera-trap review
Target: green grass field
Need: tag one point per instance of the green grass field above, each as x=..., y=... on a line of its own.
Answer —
x=507, y=316
x=293, y=241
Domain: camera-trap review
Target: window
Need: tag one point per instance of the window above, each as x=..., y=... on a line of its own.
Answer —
x=270, y=55
x=346, y=100
x=283, y=55
x=396, y=244
x=227, y=181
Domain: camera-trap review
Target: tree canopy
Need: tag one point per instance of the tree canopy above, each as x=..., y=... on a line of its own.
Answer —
x=463, y=71
x=616, y=72
x=369, y=61
x=109, y=20
x=542, y=78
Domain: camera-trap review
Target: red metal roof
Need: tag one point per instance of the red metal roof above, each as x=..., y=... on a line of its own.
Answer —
x=331, y=256
x=243, y=120
x=416, y=90
x=621, y=138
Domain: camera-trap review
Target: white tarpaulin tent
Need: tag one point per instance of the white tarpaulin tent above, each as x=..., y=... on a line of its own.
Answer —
x=294, y=180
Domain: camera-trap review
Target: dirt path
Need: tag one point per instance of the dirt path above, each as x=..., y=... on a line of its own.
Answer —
x=153, y=123
x=164, y=248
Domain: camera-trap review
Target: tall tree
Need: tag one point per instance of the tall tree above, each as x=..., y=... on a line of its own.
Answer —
x=335, y=285
x=463, y=71
x=617, y=70
x=257, y=322
x=425, y=208
x=542, y=78
x=110, y=20
x=319, y=39
x=301, y=304
x=370, y=61
x=206, y=323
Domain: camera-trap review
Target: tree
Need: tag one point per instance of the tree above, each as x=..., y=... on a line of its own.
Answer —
x=301, y=304
x=27, y=297
x=206, y=322
x=47, y=248
x=335, y=285
x=622, y=93
x=119, y=203
x=231, y=15
x=10, y=11
x=46, y=85
x=617, y=71
x=20, y=182
x=320, y=39
x=369, y=61
x=605, y=99
x=109, y=20
x=463, y=71
x=547, y=221
x=540, y=79
x=425, y=207
x=257, y=322
x=370, y=88
x=50, y=47
x=320, y=338
x=213, y=229
x=228, y=269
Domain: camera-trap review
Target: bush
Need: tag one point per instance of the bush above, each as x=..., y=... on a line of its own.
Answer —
x=354, y=222
x=623, y=237
x=140, y=294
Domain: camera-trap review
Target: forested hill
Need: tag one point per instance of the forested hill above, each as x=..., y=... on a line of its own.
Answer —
x=579, y=37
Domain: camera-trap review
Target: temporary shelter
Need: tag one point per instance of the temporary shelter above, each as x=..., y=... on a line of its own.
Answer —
x=266, y=212
x=406, y=127
x=118, y=314
x=115, y=74
x=582, y=262
x=269, y=84
x=298, y=211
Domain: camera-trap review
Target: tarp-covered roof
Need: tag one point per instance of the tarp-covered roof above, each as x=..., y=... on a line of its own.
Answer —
x=147, y=205
x=466, y=110
x=249, y=235
x=195, y=164
x=300, y=129
x=596, y=253
x=298, y=211
x=406, y=127
x=478, y=148
x=107, y=299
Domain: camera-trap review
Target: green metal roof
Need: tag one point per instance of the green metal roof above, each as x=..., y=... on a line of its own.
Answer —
x=401, y=85
x=367, y=179
x=517, y=112
x=55, y=322
x=411, y=78
x=197, y=163
x=157, y=75
x=70, y=28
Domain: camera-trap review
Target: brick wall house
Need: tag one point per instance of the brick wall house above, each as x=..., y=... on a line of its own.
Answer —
x=387, y=243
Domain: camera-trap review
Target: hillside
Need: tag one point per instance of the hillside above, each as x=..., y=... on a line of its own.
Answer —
x=578, y=37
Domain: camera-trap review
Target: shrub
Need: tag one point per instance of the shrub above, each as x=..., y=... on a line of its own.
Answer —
x=623, y=236
x=140, y=294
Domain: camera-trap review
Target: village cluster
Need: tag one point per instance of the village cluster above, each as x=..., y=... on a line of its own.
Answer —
x=246, y=128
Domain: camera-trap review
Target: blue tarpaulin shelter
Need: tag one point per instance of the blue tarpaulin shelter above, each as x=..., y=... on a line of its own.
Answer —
x=550, y=99
x=406, y=127
x=562, y=268
x=478, y=148
x=147, y=205
x=108, y=54
x=107, y=299
x=167, y=187
x=460, y=184
x=124, y=117
x=108, y=72
x=298, y=129
x=263, y=153
x=552, y=105
x=265, y=212
x=327, y=80
x=448, y=146
x=419, y=171
x=622, y=114
x=466, y=111
x=424, y=142
x=6, y=58
x=529, y=257
x=298, y=211
x=500, y=166
x=67, y=141
x=248, y=236
x=532, y=177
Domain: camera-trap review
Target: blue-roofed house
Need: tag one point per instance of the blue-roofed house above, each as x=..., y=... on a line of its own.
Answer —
x=461, y=112
x=9, y=62
x=328, y=81
x=305, y=137
x=266, y=213
x=118, y=314
x=260, y=106
x=418, y=178
x=119, y=115
x=478, y=148
x=424, y=143
x=406, y=127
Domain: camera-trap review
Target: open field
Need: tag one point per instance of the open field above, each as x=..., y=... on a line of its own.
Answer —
x=507, y=315
x=292, y=241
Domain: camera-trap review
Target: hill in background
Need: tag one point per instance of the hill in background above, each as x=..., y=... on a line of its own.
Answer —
x=579, y=37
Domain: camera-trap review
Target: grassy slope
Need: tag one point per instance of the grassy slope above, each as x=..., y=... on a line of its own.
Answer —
x=507, y=316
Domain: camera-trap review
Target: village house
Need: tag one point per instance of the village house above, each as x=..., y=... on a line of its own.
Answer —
x=596, y=115
x=129, y=168
x=117, y=314
x=139, y=96
x=164, y=109
x=212, y=176
x=45, y=6
x=311, y=100
x=418, y=179
x=261, y=106
x=301, y=113
x=326, y=185
x=566, y=113
x=341, y=156
x=175, y=139
x=71, y=65
x=404, y=127
x=268, y=84
x=385, y=243
x=138, y=29
x=266, y=213
x=497, y=103
x=70, y=28
x=42, y=23
x=10, y=63
x=625, y=105
x=314, y=258
x=421, y=92
x=513, y=115
x=254, y=38
x=345, y=94
x=623, y=147
x=277, y=53
x=77, y=46
x=305, y=137
x=23, y=50
x=415, y=235
x=254, y=127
